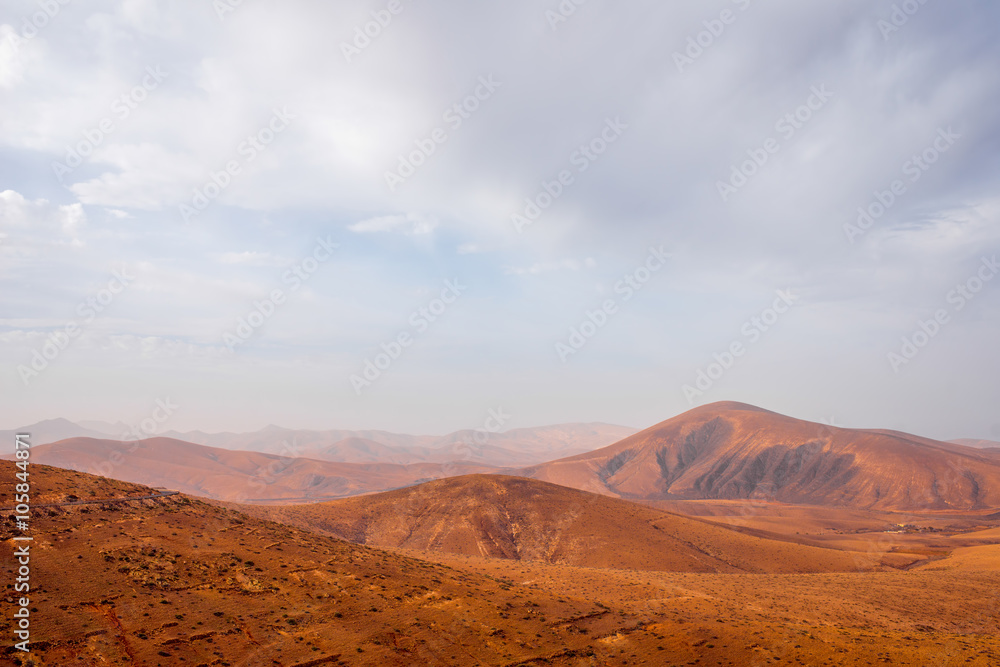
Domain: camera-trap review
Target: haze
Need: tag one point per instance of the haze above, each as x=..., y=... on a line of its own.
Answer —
x=829, y=104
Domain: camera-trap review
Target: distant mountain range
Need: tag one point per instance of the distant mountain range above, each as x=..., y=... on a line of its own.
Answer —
x=516, y=447
x=232, y=475
x=991, y=445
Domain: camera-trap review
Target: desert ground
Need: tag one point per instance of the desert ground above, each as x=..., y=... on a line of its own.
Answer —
x=177, y=581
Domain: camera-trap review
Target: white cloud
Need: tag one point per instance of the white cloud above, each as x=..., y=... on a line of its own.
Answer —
x=30, y=226
x=145, y=176
x=11, y=67
x=943, y=235
x=547, y=267
x=252, y=258
x=411, y=224
x=158, y=347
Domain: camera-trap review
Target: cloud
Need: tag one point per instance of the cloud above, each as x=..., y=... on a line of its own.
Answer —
x=146, y=176
x=31, y=225
x=11, y=66
x=546, y=267
x=411, y=224
x=252, y=258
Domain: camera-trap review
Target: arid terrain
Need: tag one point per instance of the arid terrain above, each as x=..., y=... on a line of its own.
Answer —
x=174, y=581
x=698, y=566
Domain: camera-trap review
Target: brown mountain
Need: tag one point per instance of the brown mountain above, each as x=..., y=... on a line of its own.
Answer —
x=234, y=475
x=522, y=519
x=737, y=451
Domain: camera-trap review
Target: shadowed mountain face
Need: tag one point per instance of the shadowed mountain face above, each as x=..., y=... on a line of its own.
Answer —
x=527, y=520
x=737, y=451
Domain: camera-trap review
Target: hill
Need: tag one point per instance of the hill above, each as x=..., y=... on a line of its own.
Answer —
x=174, y=581
x=522, y=519
x=737, y=451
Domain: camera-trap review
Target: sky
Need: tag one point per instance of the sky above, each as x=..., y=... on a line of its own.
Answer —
x=403, y=215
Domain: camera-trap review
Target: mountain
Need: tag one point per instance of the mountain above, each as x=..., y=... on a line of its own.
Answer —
x=737, y=451
x=291, y=442
x=361, y=450
x=544, y=441
x=234, y=475
x=50, y=430
x=107, y=428
x=523, y=519
x=991, y=445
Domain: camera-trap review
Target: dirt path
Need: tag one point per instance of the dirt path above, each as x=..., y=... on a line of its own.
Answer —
x=100, y=501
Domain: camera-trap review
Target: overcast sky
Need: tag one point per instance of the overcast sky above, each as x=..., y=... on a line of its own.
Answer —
x=170, y=168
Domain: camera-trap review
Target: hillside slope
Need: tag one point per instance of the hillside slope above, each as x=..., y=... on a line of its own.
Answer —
x=175, y=581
